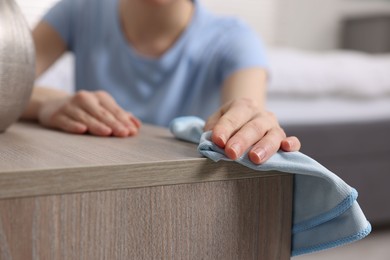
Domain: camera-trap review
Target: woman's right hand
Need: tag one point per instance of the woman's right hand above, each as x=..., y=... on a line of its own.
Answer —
x=94, y=112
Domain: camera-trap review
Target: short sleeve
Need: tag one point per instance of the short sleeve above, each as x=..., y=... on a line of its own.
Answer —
x=62, y=18
x=241, y=48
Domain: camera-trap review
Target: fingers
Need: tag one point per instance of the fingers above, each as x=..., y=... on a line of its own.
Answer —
x=233, y=117
x=117, y=117
x=240, y=126
x=212, y=120
x=69, y=125
x=290, y=144
x=267, y=146
x=248, y=135
x=98, y=119
x=93, y=125
x=105, y=113
x=93, y=112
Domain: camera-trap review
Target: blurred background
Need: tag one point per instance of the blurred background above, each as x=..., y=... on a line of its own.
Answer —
x=329, y=65
x=306, y=24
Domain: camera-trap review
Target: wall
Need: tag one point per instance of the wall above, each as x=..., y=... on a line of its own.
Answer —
x=306, y=24
x=34, y=9
x=315, y=24
x=260, y=14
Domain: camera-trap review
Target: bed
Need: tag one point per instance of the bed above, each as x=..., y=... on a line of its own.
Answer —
x=337, y=103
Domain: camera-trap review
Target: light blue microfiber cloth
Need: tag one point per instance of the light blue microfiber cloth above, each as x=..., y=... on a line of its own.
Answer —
x=325, y=211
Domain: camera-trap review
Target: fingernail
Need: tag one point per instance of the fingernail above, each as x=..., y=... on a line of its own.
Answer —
x=260, y=152
x=122, y=131
x=133, y=131
x=289, y=144
x=236, y=147
x=106, y=130
x=129, y=124
x=222, y=138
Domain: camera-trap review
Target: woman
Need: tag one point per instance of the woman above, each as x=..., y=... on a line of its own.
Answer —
x=158, y=59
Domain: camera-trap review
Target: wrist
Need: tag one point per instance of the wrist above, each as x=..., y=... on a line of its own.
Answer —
x=39, y=97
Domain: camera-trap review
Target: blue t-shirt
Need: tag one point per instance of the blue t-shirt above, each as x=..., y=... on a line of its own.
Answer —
x=185, y=80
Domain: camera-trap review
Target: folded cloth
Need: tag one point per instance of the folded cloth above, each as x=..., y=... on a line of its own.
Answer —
x=325, y=211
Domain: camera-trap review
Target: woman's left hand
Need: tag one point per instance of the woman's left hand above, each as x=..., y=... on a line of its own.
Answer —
x=241, y=124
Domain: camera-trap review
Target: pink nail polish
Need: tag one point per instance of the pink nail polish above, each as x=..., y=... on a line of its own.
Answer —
x=223, y=139
x=236, y=147
x=260, y=153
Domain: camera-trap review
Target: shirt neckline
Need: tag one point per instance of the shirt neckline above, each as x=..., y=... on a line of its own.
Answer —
x=166, y=56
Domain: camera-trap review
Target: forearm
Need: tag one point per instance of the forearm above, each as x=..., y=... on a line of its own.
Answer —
x=249, y=84
x=49, y=46
x=38, y=97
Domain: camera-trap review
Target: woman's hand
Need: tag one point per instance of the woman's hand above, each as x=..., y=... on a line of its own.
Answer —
x=240, y=124
x=94, y=112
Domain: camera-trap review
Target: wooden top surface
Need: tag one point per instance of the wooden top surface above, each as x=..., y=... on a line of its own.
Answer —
x=28, y=146
x=38, y=161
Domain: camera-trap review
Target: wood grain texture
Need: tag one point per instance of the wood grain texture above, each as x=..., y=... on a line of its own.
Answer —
x=38, y=161
x=28, y=146
x=240, y=219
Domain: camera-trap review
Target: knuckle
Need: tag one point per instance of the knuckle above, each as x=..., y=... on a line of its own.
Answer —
x=103, y=114
x=66, y=109
x=268, y=118
x=231, y=122
x=277, y=134
x=82, y=118
x=119, y=112
x=271, y=115
x=257, y=126
x=101, y=94
x=81, y=96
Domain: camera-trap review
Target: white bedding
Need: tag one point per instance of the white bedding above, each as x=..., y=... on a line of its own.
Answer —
x=329, y=110
x=328, y=87
x=328, y=73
